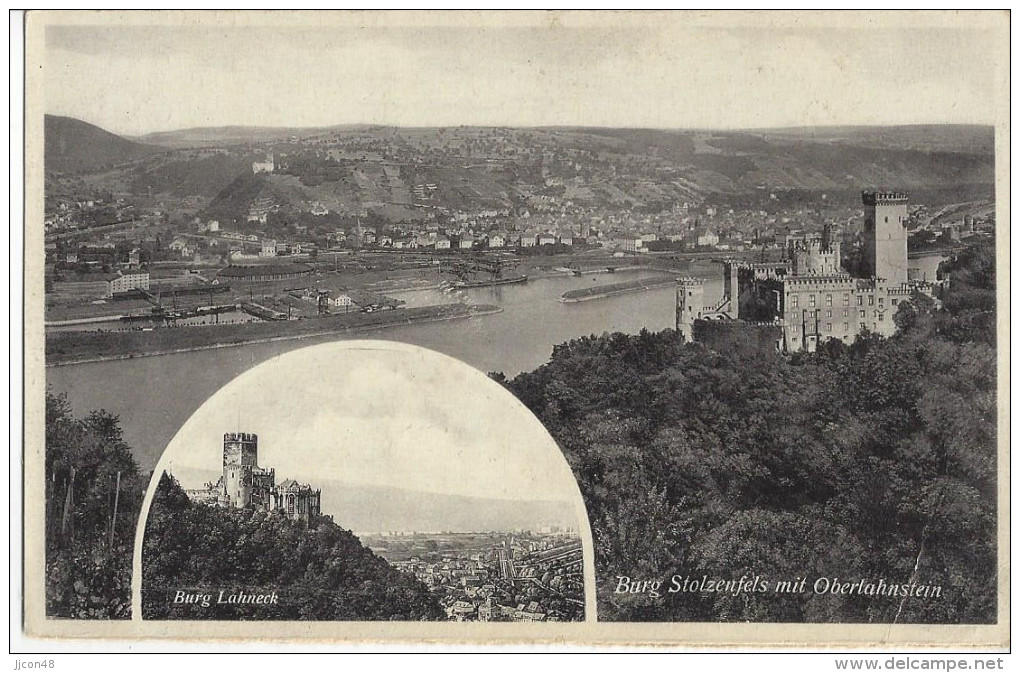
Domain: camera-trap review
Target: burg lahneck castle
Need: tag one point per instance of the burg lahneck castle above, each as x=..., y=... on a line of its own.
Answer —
x=245, y=484
x=808, y=297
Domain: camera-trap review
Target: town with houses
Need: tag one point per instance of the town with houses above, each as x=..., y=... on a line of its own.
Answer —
x=518, y=576
x=100, y=235
x=337, y=224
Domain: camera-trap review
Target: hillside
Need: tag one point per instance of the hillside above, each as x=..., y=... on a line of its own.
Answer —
x=72, y=145
x=229, y=135
x=932, y=137
x=318, y=572
x=193, y=173
x=357, y=170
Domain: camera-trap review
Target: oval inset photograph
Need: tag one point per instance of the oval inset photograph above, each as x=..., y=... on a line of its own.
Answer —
x=359, y=481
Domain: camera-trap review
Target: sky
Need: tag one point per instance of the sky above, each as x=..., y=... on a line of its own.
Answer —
x=657, y=71
x=377, y=413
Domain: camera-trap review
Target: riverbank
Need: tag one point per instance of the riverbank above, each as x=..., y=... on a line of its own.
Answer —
x=603, y=291
x=69, y=348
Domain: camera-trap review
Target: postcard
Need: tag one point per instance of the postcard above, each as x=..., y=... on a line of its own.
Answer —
x=679, y=328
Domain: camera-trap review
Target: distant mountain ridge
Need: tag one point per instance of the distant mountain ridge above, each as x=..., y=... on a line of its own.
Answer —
x=381, y=508
x=499, y=167
x=71, y=145
x=369, y=508
x=202, y=136
x=966, y=138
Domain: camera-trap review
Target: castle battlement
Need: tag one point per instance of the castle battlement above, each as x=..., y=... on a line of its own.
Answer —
x=840, y=278
x=686, y=280
x=879, y=198
x=240, y=437
x=867, y=284
x=816, y=243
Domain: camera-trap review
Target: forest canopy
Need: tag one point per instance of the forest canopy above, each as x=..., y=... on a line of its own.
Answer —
x=316, y=571
x=869, y=461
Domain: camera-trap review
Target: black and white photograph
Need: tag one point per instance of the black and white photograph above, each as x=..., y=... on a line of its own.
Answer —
x=643, y=326
x=380, y=493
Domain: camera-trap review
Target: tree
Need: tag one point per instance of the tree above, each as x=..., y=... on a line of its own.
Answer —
x=93, y=495
x=875, y=459
x=317, y=570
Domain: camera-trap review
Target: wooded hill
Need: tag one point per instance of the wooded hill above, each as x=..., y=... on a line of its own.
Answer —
x=481, y=167
x=871, y=461
x=318, y=571
x=74, y=146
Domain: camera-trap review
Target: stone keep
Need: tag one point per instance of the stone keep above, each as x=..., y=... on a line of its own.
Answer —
x=885, y=236
x=240, y=460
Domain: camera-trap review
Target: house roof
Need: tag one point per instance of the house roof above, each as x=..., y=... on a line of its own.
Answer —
x=293, y=485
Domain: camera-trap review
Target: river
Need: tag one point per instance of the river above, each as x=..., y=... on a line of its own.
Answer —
x=154, y=396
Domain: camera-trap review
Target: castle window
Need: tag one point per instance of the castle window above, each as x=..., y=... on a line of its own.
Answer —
x=880, y=317
x=828, y=314
x=871, y=300
x=811, y=300
x=828, y=327
x=864, y=326
x=845, y=313
x=846, y=327
x=864, y=313
x=846, y=300
x=828, y=300
x=860, y=301
x=793, y=300
x=881, y=300
x=895, y=302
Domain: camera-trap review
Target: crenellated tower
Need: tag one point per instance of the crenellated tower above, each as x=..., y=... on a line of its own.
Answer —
x=242, y=476
x=818, y=256
x=885, y=236
x=690, y=300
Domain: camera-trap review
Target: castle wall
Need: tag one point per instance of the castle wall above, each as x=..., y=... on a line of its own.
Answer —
x=299, y=502
x=738, y=335
x=816, y=309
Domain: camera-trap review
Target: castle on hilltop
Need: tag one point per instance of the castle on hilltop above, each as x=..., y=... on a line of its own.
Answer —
x=808, y=297
x=245, y=484
x=267, y=166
